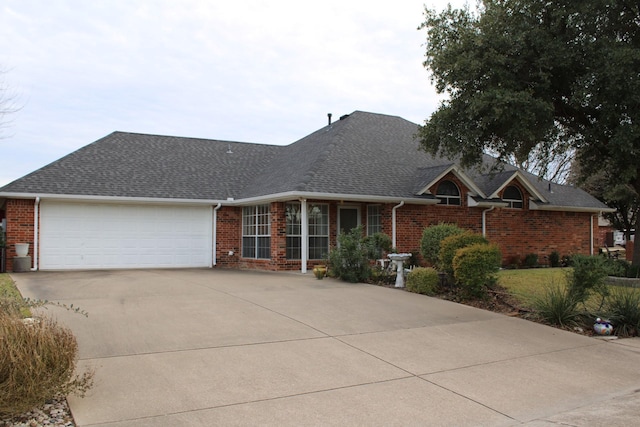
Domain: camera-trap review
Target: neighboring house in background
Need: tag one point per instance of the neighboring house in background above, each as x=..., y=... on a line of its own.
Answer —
x=146, y=201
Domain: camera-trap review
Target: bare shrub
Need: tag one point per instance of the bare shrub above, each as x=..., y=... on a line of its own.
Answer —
x=37, y=362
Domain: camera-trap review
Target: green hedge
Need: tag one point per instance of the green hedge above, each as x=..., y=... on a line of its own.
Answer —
x=451, y=244
x=423, y=280
x=474, y=267
x=432, y=237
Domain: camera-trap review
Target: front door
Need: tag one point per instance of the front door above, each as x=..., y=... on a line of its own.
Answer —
x=348, y=219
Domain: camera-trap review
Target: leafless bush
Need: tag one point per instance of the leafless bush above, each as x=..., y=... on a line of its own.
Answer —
x=37, y=362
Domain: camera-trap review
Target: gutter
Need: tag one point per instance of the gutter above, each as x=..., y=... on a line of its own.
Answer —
x=215, y=234
x=36, y=233
x=393, y=223
x=484, y=220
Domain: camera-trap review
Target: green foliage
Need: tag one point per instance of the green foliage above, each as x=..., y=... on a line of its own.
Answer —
x=432, y=237
x=558, y=306
x=423, y=280
x=623, y=310
x=43, y=358
x=587, y=276
x=554, y=259
x=451, y=244
x=535, y=80
x=350, y=260
x=617, y=267
x=531, y=260
x=377, y=244
x=475, y=266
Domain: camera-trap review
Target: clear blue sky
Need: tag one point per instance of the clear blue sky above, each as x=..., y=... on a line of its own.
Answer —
x=245, y=70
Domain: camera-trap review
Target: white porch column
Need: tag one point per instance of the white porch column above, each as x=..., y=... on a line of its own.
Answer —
x=304, y=244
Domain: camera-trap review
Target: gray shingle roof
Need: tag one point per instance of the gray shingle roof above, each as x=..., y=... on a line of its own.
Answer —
x=362, y=154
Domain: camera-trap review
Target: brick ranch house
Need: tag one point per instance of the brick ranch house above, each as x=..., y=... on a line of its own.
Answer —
x=147, y=201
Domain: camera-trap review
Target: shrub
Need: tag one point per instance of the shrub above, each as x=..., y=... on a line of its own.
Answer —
x=432, y=237
x=623, y=310
x=531, y=260
x=39, y=361
x=350, y=260
x=451, y=244
x=587, y=276
x=554, y=259
x=558, y=306
x=616, y=267
x=423, y=280
x=474, y=267
x=377, y=244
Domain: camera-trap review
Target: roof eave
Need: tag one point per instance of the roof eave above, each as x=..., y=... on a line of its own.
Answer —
x=534, y=206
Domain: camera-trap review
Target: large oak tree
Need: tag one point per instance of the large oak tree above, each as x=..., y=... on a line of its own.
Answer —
x=539, y=78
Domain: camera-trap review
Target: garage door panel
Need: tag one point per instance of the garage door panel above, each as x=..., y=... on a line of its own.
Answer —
x=85, y=235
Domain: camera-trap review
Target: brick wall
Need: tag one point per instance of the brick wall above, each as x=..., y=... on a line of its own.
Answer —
x=518, y=232
x=20, y=226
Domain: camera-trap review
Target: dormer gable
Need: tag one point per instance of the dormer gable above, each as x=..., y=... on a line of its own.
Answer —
x=430, y=177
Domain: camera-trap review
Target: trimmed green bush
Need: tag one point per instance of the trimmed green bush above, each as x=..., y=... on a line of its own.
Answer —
x=423, y=280
x=38, y=363
x=475, y=266
x=531, y=260
x=554, y=259
x=451, y=244
x=432, y=237
x=377, y=244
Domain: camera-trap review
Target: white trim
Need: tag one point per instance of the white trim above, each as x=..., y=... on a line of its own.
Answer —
x=304, y=237
x=534, y=206
x=522, y=180
x=468, y=182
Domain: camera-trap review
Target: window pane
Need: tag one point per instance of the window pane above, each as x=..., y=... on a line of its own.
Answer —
x=318, y=247
x=294, y=249
x=374, y=223
x=264, y=247
x=248, y=247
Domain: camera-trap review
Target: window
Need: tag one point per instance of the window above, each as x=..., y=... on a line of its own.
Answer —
x=513, y=197
x=448, y=193
x=318, y=231
x=318, y=217
x=374, y=220
x=256, y=232
x=294, y=231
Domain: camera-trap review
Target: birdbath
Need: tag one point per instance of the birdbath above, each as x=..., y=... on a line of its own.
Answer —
x=398, y=259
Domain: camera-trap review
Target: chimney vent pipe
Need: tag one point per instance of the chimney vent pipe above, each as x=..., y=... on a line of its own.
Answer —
x=329, y=116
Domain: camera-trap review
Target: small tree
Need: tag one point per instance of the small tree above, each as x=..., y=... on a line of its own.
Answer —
x=432, y=237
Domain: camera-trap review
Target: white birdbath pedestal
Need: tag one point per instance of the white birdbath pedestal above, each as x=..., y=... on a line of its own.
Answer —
x=399, y=259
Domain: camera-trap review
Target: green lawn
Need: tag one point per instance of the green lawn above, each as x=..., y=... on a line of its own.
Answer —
x=9, y=291
x=528, y=284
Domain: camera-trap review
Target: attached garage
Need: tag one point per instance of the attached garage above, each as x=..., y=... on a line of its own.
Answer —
x=108, y=235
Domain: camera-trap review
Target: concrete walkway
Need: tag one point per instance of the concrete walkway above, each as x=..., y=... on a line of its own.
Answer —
x=216, y=347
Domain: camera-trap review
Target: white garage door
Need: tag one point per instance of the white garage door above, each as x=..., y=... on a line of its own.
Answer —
x=102, y=235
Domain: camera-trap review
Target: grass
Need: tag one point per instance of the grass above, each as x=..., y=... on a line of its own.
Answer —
x=528, y=284
x=9, y=291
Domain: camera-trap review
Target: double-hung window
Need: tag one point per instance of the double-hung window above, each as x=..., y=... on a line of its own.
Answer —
x=256, y=232
x=374, y=220
x=318, y=218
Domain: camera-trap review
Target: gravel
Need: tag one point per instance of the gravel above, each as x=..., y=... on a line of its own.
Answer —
x=54, y=413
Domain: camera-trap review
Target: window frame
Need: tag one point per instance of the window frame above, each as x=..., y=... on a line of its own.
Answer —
x=374, y=220
x=512, y=203
x=293, y=231
x=447, y=199
x=256, y=229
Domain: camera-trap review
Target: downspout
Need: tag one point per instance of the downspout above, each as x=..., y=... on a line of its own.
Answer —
x=591, y=234
x=484, y=220
x=393, y=223
x=304, y=243
x=215, y=234
x=36, y=225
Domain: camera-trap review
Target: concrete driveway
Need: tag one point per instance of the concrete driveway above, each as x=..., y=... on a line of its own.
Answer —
x=216, y=347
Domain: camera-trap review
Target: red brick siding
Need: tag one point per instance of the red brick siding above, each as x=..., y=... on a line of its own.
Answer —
x=20, y=226
x=518, y=232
